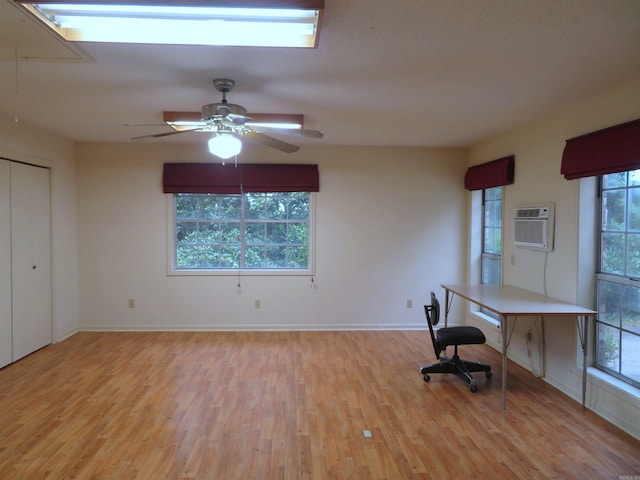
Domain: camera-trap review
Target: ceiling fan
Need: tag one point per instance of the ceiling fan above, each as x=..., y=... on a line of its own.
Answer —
x=230, y=124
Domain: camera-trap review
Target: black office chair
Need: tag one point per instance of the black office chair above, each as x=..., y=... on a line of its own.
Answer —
x=452, y=336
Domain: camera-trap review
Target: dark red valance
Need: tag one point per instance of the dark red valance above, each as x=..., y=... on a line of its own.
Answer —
x=247, y=177
x=614, y=149
x=491, y=174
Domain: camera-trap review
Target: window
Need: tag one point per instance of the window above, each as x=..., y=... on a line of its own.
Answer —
x=250, y=231
x=488, y=179
x=618, y=280
x=491, y=235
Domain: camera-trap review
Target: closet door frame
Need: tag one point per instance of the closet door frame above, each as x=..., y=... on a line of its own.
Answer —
x=6, y=334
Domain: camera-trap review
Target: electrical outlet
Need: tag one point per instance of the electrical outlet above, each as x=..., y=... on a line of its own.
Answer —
x=132, y=303
x=409, y=303
x=257, y=304
x=528, y=335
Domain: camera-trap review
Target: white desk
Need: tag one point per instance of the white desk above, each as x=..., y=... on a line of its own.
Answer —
x=508, y=301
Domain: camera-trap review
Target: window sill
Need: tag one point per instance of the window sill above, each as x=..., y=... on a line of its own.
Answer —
x=478, y=315
x=241, y=273
x=614, y=385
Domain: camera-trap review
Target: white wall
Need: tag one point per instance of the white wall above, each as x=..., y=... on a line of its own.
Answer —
x=570, y=266
x=389, y=227
x=28, y=144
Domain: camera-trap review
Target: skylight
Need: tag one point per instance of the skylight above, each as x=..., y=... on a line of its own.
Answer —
x=183, y=24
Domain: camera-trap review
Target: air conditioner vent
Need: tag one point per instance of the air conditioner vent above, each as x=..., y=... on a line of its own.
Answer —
x=533, y=227
x=537, y=212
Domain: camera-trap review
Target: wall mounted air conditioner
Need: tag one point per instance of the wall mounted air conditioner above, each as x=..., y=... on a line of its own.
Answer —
x=533, y=226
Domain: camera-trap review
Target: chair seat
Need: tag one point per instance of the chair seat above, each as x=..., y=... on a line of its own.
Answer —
x=460, y=336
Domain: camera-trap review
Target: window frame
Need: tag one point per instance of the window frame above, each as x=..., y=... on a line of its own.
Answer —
x=486, y=255
x=490, y=256
x=602, y=278
x=172, y=269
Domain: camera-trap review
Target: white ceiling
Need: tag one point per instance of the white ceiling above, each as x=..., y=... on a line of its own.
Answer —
x=386, y=72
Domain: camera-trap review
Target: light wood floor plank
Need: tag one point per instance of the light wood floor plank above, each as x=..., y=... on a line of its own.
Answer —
x=287, y=405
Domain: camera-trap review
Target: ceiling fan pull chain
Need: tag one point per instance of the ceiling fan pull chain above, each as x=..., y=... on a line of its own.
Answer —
x=17, y=98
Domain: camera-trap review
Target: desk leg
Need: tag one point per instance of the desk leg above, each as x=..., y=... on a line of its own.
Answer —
x=583, y=331
x=504, y=325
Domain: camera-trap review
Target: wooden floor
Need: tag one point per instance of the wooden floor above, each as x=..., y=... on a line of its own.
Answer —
x=276, y=405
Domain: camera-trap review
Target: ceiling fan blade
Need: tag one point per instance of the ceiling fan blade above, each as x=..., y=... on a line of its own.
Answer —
x=271, y=142
x=166, y=134
x=291, y=132
x=238, y=119
x=144, y=124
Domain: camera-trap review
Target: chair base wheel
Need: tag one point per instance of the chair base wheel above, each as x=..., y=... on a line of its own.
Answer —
x=459, y=367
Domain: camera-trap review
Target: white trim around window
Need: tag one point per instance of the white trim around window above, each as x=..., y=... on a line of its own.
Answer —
x=171, y=249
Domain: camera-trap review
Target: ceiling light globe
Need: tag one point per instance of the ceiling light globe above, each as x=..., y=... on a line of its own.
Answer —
x=224, y=145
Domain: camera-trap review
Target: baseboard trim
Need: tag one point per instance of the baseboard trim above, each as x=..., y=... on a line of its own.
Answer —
x=66, y=335
x=247, y=327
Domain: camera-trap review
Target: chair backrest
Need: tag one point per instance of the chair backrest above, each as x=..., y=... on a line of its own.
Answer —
x=432, y=312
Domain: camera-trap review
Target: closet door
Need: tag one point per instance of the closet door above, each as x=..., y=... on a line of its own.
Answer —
x=31, y=258
x=6, y=350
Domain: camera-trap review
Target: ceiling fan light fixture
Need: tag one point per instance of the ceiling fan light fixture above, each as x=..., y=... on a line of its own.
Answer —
x=224, y=145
